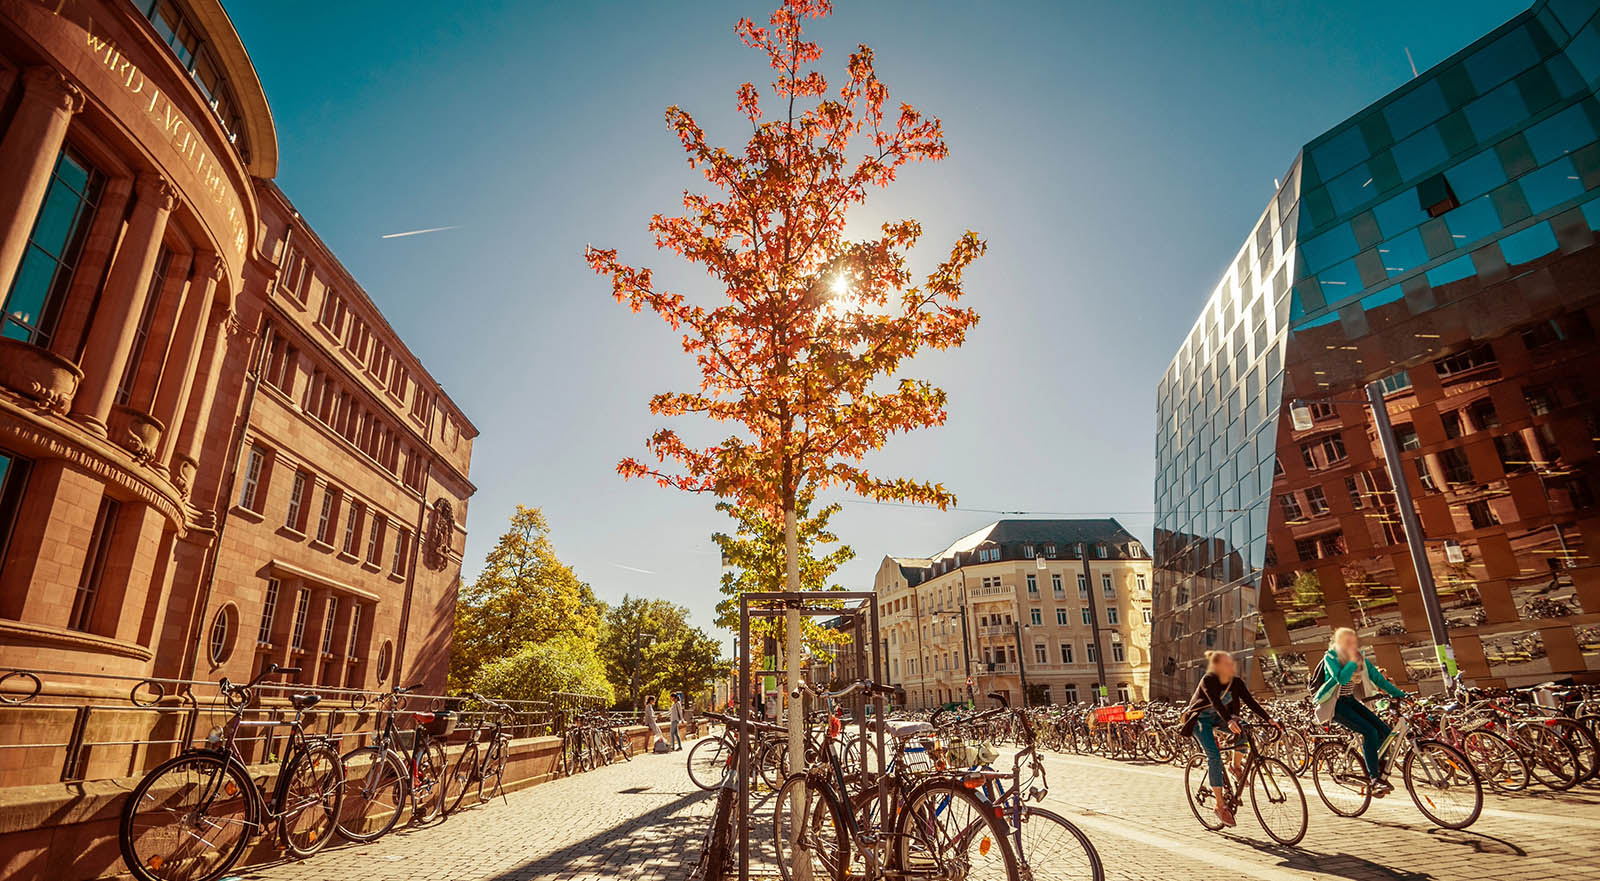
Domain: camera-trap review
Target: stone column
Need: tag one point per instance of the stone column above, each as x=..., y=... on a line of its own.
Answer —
x=28, y=155
x=204, y=390
x=183, y=358
x=104, y=232
x=162, y=340
x=115, y=322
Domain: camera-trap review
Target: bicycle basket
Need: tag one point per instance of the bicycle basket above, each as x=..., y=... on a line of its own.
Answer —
x=442, y=724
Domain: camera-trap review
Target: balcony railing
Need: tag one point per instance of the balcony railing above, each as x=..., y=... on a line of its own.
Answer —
x=996, y=630
x=993, y=590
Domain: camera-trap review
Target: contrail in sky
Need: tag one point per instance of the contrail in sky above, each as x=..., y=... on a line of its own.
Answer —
x=633, y=569
x=417, y=232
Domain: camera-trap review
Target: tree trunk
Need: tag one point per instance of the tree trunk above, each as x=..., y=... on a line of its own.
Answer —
x=791, y=665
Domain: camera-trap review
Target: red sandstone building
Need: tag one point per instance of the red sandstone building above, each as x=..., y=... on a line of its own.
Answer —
x=216, y=453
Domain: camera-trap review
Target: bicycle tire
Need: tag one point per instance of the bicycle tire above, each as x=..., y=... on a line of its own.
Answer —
x=1584, y=747
x=708, y=759
x=1439, y=756
x=1197, y=792
x=1034, y=851
x=1273, y=781
x=1497, y=761
x=427, y=786
x=818, y=806
x=1340, y=776
x=315, y=778
x=355, y=816
x=148, y=866
x=464, y=771
x=494, y=769
x=971, y=842
x=1551, y=760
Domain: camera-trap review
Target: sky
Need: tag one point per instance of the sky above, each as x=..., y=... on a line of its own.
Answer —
x=1113, y=155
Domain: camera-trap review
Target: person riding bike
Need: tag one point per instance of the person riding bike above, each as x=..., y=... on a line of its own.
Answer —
x=1342, y=670
x=1217, y=700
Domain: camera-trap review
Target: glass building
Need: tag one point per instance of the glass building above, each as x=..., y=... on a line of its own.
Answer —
x=1440, y=242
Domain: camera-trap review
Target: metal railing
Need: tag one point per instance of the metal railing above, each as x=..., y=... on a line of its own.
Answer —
x=89, y=728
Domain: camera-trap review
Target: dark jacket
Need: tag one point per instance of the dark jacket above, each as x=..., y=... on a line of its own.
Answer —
x=1208, y=696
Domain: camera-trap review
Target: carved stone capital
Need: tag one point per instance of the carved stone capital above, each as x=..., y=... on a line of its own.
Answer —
x=158, y=190
x=208, y=265
x=45, y=83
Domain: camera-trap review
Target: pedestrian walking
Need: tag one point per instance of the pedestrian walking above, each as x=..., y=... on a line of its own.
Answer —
x=674, y=719
x=657, y=742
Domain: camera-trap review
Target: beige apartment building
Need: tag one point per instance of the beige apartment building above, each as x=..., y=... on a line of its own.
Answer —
x=1014, y=604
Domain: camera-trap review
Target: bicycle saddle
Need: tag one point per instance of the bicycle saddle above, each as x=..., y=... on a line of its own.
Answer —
x=422, y=716
x=305, y=701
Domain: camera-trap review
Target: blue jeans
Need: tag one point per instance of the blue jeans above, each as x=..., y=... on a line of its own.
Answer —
x=1205, y=731
x=677, y=742
x=1354, y=715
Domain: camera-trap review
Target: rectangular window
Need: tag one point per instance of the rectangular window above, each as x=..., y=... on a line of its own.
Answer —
x=1464, y=362
x=1107, y=589
x=1083, y=587
x=355, y=631
x=330, y=505
x=1092, y=654
x=94, y=566
x=1111, y=615
x=295, y=518
x=1027, y=551
x=13, y=478
x=1316, y=500
x=1514, y=455
x=352, y=528
x=1084, y=613
x=1061, y=616
x=327, y=625
x=1405, y=434
x=1050, y=551
x=302, y=608
x=1033, y=584
x=1425, y=475
x=1066, y=653
x=51, y=254
x=1481, y=515
x=1055, y=583
x=375, y=539
x=1351, y=488
x=1039, y=653
x=1123, y=694
x=1454, y=463
x=248, y=490
x=1034, y=616
x=402, y=541
x=1147, y=616
x=269, y=611
x=1139, y=580
x=1118, y=654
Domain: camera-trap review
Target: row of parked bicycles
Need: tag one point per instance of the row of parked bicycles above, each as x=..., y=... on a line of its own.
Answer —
x=192, y=817
x=940, y=809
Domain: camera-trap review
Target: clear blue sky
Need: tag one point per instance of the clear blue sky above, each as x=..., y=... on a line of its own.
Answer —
x=1113, y=154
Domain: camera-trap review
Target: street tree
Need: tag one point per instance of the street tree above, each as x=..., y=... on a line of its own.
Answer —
x=539, y=670
x=801, y=352
x=524, y=594
x=753, y=562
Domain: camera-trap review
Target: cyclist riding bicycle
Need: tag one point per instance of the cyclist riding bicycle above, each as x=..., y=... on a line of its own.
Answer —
x=1217, y=700
x=1336, y=683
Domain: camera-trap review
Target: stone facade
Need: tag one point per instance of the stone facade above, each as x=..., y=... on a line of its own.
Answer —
x=1009, y=604
x=217, y=453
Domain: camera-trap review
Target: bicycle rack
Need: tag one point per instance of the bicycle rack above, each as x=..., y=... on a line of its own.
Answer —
x=811, y=604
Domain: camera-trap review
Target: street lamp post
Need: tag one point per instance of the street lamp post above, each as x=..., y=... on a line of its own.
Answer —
x=1022, y=667
x=1094, y=625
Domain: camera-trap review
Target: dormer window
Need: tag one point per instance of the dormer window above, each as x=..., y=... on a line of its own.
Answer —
x=1100, y=551
x=1050, y=551
x=1027, y=551
x=1135, y=549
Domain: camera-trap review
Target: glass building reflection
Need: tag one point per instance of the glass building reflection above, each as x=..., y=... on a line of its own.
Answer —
x=1440, y=241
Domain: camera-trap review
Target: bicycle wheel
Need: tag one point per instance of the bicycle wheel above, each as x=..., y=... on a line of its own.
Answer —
x=491, y=775
x=1584, y=747
x=770, y=765
x=808, y=825
x=1340, y=775
x=462, y=774
x=427, y=781
x=708, y=762
x=1496, y=761
x=1293, y=748
x=188, y=819
x=375, y=784
x=1550, y=759
x=1278, y=800
x=1052, y=848
x=1443, y=784
x=1198, y=793
x=945, y=831
x=312, y=794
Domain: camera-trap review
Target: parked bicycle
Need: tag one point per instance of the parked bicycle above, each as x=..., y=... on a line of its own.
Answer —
x=383, y=780
x=193, y=815
x=482, y=763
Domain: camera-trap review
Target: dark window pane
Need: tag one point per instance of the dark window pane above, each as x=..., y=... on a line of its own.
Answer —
x=1332, y=246
x=1351, y=190
x=1340, y=152
x=1528, y=245
x=1502, y=60
x=1403, y=253
x=1399, y=214
x=1420, y=152
x=1416, y=108
x=1496, y=112
x=1473, y=177
x=1560, y=134
x=1472, y=222
x=1551, y=185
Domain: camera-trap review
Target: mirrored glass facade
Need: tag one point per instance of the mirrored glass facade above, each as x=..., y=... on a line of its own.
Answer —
x=1440, y=242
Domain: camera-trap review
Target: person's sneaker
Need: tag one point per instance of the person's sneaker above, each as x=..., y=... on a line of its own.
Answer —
x=1225, y=814
x=1381, y=788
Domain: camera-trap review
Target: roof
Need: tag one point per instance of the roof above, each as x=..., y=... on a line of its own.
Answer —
x=914, y=569
x=1061, y=532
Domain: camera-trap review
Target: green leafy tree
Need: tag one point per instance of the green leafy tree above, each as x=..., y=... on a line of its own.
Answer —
x=538, y=670
x=630, y=631
x=753, y=557
x=525, y=594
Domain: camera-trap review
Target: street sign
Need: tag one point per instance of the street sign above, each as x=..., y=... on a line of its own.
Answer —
x=969, y=681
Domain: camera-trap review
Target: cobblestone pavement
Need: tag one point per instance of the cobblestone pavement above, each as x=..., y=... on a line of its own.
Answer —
x=643, y=821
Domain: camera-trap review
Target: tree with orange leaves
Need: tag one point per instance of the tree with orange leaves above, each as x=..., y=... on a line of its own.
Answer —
x=802, y=350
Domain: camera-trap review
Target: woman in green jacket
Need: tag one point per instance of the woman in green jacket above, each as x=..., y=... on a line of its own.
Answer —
x=1344, y=669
